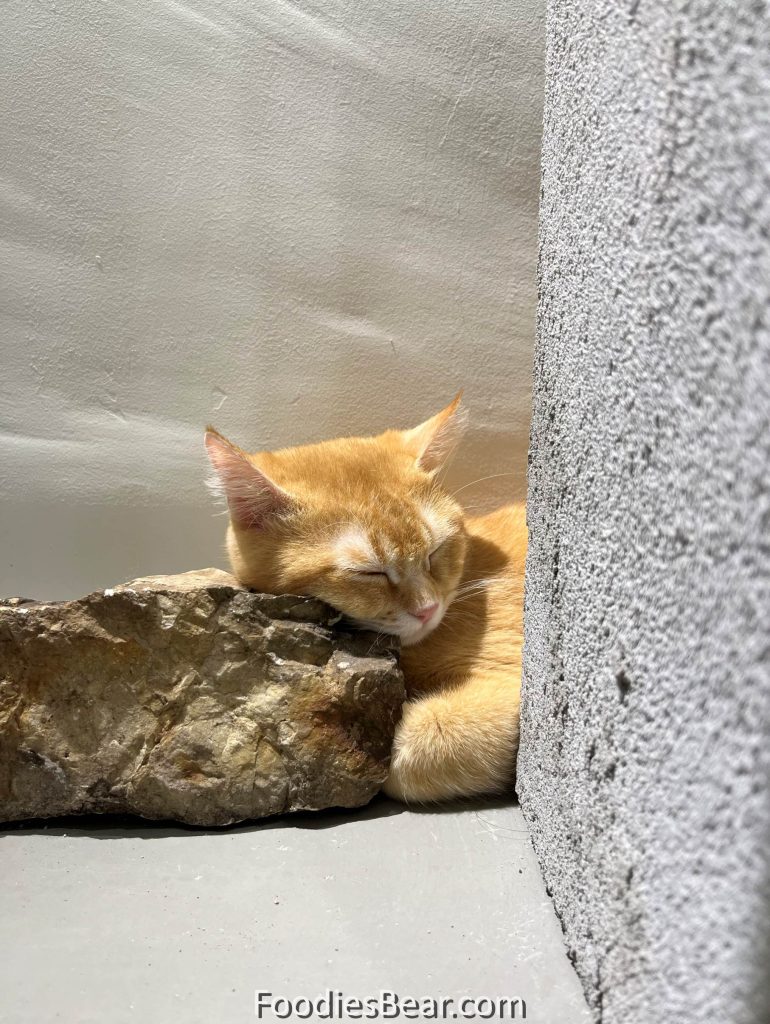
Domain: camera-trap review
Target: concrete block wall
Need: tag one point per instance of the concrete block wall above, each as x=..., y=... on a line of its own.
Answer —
x=645, y=762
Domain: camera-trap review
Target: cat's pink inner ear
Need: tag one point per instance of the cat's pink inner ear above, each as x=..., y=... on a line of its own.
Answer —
x=433, y=441
x=252, y=497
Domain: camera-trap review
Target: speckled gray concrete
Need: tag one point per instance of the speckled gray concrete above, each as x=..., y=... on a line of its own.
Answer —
x=646, y=735
x=161, y=924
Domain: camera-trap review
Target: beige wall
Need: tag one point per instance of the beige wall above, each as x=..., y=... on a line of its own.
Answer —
x=293, y=219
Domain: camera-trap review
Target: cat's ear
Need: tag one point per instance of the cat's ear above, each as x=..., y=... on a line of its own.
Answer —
x=252, y=497
x=433, y=441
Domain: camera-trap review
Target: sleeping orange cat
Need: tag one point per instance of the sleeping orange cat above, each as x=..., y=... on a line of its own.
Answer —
x=363, y=524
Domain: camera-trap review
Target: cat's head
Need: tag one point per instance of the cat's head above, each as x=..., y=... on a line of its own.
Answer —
x=359, y=522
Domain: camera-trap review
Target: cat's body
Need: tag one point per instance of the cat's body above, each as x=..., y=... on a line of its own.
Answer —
x=362, y=524
x=459, y=735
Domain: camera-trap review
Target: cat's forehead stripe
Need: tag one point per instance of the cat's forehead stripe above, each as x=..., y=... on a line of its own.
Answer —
x=353, y=546
x=439, y=529
x=357, y=548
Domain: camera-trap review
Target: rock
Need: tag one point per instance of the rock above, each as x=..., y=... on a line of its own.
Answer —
x=189, y=697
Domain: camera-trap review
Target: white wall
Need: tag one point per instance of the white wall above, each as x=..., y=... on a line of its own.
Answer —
x=293, y=219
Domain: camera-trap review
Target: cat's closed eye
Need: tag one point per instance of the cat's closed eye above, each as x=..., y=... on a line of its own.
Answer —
x=433, y=555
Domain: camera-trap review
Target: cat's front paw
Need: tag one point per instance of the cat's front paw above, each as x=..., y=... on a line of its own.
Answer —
x=461, y=742
x=418, y=750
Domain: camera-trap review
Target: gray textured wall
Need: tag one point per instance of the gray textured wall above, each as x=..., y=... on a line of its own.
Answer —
x=645, y=755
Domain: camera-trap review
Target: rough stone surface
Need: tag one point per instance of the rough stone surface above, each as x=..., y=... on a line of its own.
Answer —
x=645, y=756
x=189, y=697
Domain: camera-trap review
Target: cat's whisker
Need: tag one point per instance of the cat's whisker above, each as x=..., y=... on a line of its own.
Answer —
x=470, y=583
x=478, y=579
x=480, y=480
x=474, y=593
x=376, y=640
x=459, y=601
x=478, y=590
x=452, y=607
x=470, y=586
x=479, y=584
x=468, y=594
x=450, y=628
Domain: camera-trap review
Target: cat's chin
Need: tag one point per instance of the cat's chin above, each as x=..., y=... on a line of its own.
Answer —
x=407, y=634
x=413, y=638
x=409, y=639
x=410, y=636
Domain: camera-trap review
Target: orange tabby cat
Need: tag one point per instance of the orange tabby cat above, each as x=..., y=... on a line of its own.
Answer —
x=363, y=524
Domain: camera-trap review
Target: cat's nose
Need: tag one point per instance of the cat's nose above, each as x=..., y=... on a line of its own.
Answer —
x=426, y=614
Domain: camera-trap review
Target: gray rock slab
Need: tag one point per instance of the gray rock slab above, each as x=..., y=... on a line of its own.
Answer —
x=189, y=697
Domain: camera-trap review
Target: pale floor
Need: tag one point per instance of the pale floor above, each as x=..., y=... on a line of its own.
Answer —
x=108, y=921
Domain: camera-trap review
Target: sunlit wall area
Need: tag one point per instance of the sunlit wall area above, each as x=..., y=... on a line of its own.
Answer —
x=293, y=220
